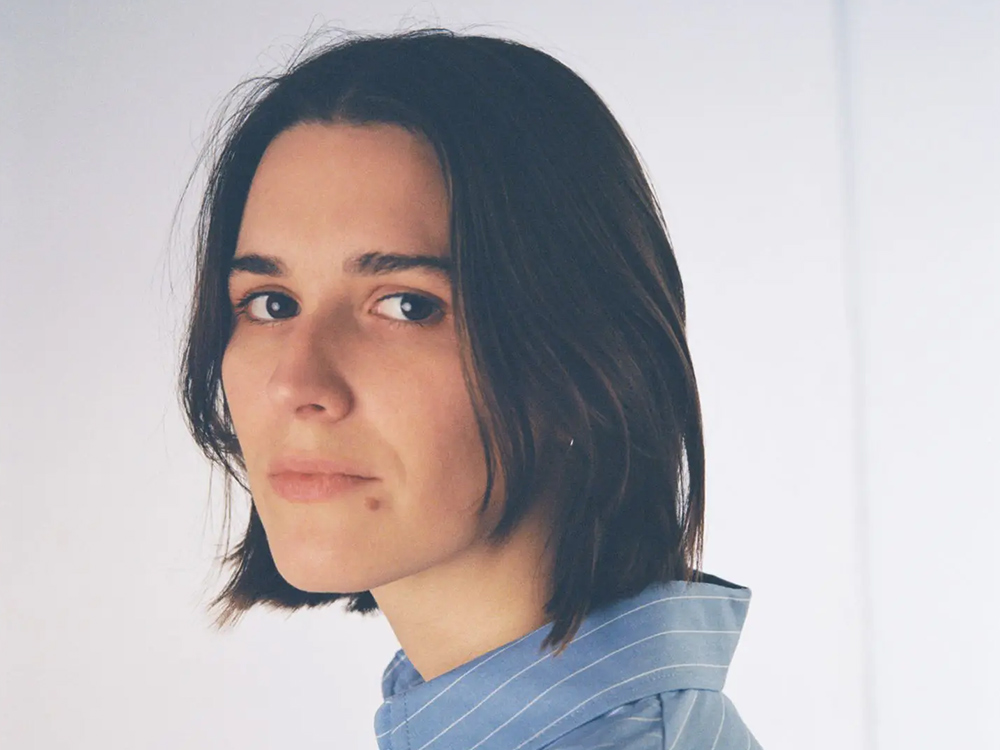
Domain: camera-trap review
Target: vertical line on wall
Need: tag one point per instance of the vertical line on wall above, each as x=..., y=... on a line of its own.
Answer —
x=854, y=300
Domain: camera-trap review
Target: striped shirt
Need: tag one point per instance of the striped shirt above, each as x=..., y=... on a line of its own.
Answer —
x=644, y=673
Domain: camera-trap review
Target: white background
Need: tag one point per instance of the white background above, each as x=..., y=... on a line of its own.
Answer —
x=829, y=174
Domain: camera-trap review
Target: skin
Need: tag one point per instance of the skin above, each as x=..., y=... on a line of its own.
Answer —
x=330, y=377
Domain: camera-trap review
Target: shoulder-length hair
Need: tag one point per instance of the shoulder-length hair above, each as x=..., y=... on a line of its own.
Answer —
x=568, y=305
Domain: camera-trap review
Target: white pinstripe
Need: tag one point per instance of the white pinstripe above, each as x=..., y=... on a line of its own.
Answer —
x=574, y=642
x=721, y=722
x=455, y=682
x=636, y=677
x=393, y=666
x=684, y=723
x=569, y=676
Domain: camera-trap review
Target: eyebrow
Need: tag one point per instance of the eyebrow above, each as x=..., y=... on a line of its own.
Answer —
x=375, y=263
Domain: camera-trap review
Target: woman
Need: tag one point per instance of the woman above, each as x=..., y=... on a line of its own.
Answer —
x=438, y=334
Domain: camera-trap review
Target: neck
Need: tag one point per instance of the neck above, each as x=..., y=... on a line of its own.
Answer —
x=474, y=603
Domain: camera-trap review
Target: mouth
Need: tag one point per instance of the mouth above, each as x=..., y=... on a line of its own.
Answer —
x=303, y=487
x=311, y=465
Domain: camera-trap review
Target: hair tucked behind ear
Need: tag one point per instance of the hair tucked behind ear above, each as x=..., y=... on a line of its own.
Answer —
x=569, y=306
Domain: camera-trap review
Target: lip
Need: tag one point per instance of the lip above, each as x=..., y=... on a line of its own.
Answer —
x=300, y=487
x=305, y=465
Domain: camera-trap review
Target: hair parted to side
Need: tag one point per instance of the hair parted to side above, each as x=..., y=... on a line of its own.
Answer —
x=568, y=303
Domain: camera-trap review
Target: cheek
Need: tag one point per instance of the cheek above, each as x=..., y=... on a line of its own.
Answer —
x=230, y=382
x=241, y=394
x=444, y=470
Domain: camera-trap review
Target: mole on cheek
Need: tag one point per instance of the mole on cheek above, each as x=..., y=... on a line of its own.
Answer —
x=372, y=503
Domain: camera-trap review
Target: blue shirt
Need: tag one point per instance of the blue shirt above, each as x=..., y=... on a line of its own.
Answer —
x=644, y=673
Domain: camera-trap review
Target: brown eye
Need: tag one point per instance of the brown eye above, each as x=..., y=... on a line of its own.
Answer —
x=273, y=302
x=413, y=306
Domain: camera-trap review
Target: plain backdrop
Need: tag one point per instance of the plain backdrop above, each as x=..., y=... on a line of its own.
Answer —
x=829, y=175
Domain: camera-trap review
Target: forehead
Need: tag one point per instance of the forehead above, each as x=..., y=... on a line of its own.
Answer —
x=349, y=187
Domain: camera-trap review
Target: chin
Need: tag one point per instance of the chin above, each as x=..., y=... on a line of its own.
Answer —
x=315, y=578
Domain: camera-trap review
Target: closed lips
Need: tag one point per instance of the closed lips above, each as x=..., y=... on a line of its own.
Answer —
x=299, y=487
x=302, y=465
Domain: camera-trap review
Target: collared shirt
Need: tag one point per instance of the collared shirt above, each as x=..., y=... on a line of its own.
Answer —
x=644, y=673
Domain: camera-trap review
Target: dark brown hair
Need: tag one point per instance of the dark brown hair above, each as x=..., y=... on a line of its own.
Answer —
x=568, y=303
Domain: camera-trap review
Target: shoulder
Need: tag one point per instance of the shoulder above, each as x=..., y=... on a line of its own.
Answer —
x=674, y=720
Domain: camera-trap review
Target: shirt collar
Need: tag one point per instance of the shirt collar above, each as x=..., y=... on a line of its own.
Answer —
x=671, y=636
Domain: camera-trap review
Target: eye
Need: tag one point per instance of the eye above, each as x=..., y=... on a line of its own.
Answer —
x=423, y=308
x=244, y=305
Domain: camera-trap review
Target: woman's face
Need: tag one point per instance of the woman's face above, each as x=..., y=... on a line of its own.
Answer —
x=331, y=363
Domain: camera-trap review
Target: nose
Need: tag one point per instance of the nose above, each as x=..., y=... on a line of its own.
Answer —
x=308, y=375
